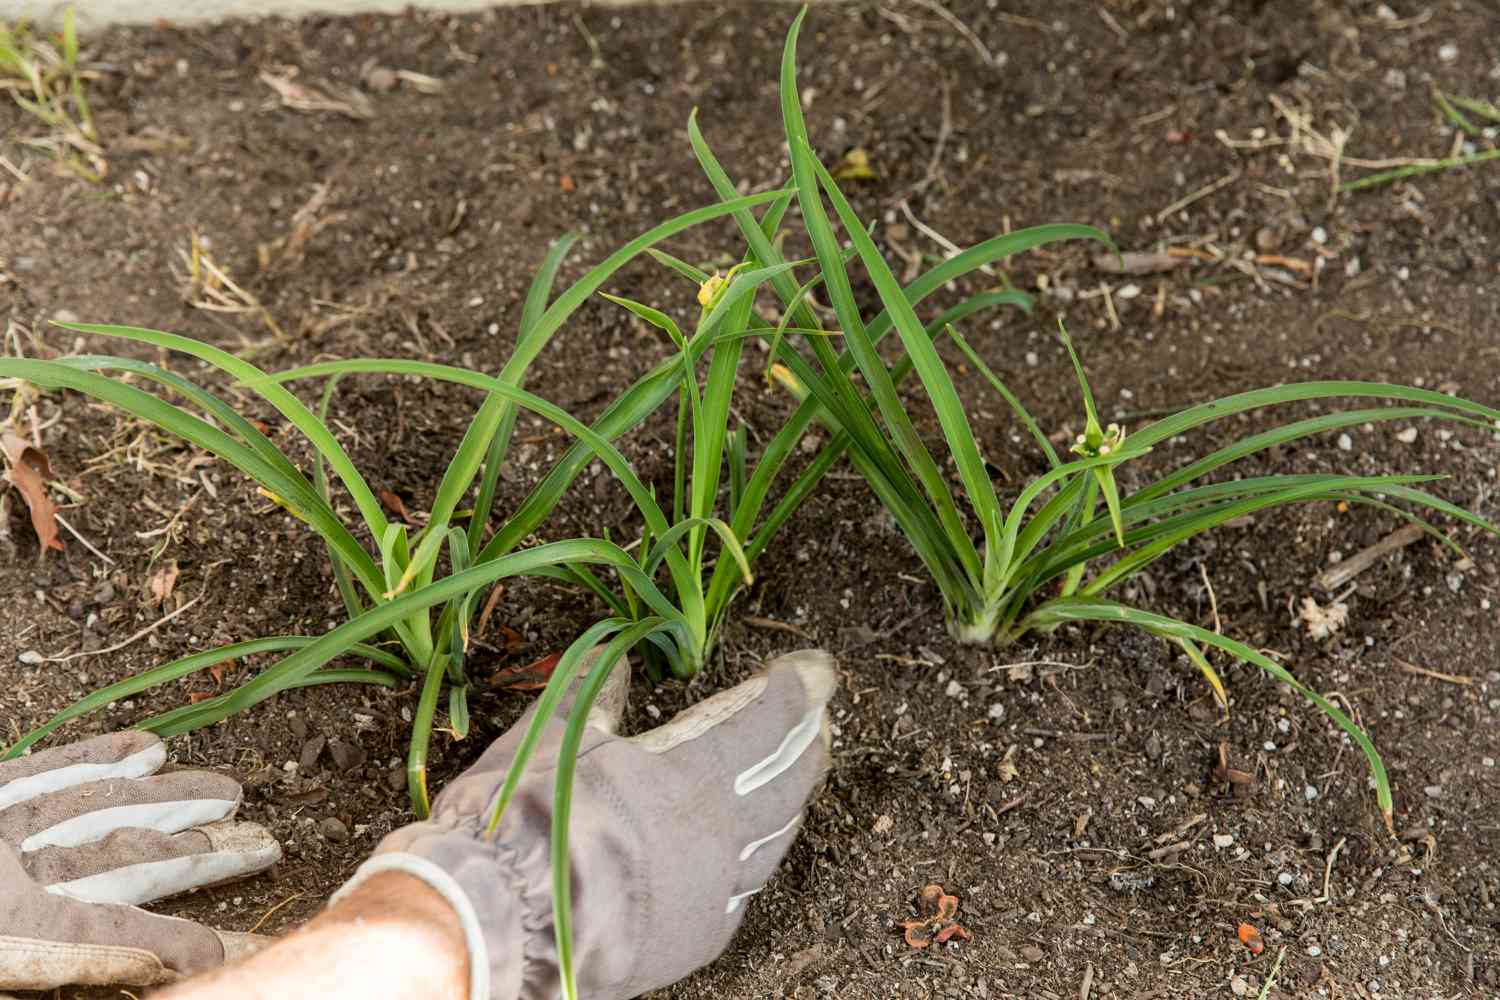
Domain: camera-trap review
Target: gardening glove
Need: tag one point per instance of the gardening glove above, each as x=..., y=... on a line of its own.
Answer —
x=87, y=832
x=672, y=831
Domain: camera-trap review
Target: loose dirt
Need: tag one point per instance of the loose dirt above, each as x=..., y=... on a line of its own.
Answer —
x=1063, y=790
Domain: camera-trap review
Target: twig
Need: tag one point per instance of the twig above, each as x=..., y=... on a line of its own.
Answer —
x=141, y=634
x=1342, y=572
x=1087, y=986
x=1058, y=734
x=932, y=234
x=1197, y=195
x=1412, y=668
x=1041, y=663
x=772, y=625
x=267, y=915
x=1333, y=856
x=86, y=544
x=961, y=28
x=1213, y=602
x=945, y=129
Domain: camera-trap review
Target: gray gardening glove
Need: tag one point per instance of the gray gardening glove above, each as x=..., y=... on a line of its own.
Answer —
x=671, y=832
x=87, y=832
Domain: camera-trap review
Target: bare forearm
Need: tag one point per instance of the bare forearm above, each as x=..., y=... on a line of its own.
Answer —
x=391, y=937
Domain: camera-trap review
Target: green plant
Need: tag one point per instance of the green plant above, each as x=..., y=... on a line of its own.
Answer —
x=392, y=595
x=49, y=73
x=1034, y=569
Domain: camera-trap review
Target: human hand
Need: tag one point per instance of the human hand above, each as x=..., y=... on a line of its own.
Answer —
x=672, y=831
x=89, y=830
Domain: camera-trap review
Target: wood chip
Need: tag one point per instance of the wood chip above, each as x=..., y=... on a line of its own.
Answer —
x=1342, y=572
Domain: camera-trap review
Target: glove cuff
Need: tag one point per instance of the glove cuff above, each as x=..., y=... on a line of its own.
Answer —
x=493, y=972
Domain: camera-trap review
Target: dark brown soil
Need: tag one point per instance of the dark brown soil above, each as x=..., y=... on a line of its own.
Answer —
x=1042, y=796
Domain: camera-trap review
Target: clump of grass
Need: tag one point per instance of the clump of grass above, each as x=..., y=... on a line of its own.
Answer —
x=1056, y=552
x=43, y=76
x=388, y=576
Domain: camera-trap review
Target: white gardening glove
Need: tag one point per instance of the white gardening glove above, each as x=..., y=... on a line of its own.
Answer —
x=672, y=832
x=89, y=830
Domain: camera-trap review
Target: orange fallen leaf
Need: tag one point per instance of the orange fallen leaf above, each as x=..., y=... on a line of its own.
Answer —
x=566, y=183
x=532, y=677
x=1250, y=938
x=29, y=471
x=393, y=503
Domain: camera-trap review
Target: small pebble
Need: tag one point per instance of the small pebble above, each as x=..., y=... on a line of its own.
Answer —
x=290, y=767
x=1314, y=951
x=954, y=689
x=333, y=829
x=1286, y=878
x=1223, y=840
x=1434, y=791
x=1448, y=53
x=1346, y=443
x=1407, y=436
x=30, y=657
x=1310, y=793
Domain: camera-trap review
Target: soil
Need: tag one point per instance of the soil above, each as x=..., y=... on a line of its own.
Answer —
x=1062, y=789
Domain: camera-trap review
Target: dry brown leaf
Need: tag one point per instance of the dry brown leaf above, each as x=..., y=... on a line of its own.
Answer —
x=28, y=470
x=163, y=582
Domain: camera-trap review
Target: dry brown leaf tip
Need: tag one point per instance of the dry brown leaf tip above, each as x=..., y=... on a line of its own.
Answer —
x=28, y=470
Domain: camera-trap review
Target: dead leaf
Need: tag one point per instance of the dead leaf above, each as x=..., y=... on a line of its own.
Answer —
x=1138, y=262
x=532, y=677
x=393, y=503
x=855, y=166
x=29, y=471
x=1251, y=939
x=305, y=97
x=163, y=582
x=1007, y=768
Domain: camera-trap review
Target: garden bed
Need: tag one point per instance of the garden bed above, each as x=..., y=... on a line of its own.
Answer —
x=1063, y=790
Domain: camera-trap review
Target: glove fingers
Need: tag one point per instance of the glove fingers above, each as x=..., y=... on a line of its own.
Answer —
x=87, y=813
x=118, y=755
x=138, y=866
x=50, y=941
x=469, y=792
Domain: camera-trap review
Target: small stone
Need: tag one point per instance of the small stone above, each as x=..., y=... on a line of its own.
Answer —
x=1239, y=986
x=30, y=657
x=333, y=829
x=1448, y=53
x=1314, y=951
x=1310, y=793
x=1223, y=840
x=1407, y=436
x=395, y=779
x=883, y=823
x=290, y=767
x=346, y=756
x=65, y=316
x=1346, y=443
x=1320, y=235
x=1032, y=953
x=380, y=79
x=104, y=593
x=954, y=689
x=1286, y=878
x=997, y=711
x=1434, y=791
x=311, y=751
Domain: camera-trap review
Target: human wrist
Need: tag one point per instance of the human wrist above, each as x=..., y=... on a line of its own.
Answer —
x=390, y=936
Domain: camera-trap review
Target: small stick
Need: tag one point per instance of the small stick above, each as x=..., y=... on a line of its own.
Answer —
x=1197, y=195
x=1087, y=986
x=1333, y=856
x=961, y=28
x=771, y=624
x=74, y=532
x=1013, y=803
x=1342, y=572
x=139, y=635
x=1412, y=668
x=1058, y=734
x=1160, y=852
x=267, y=915
x=1213, y=602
